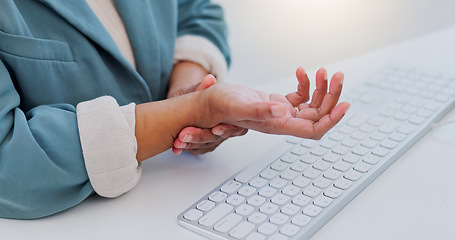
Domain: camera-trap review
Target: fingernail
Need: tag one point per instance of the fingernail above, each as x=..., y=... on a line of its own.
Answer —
x=188, y=138
x=218, y=132
x=178, y=151
x=277, y=111
x=325, y=75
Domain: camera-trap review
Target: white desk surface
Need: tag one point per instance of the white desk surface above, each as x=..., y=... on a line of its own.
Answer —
x=413, y=199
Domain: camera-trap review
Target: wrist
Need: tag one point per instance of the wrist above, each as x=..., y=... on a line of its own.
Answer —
x=159, y=123
x=186, y=74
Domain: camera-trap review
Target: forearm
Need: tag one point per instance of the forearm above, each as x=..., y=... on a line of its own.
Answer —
x=159, y=123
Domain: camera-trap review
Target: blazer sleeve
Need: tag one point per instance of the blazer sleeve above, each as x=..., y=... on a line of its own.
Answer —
x=42, y=170
x=202, y=35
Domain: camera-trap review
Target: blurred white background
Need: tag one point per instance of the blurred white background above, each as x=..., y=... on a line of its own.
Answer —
x=269, y=38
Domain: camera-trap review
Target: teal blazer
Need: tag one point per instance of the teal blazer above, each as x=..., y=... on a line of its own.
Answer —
x=55, y=54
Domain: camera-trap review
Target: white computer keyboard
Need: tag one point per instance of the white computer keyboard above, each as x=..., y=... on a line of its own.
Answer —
x=299, y=185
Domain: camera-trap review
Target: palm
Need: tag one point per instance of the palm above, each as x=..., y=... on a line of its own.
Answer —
x=276, y=114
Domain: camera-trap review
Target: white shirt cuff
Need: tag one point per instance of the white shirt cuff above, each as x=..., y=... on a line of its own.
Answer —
x=109, y=146
x=203, y=52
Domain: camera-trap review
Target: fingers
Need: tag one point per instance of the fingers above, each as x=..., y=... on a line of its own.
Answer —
x=321, y=88
x=328, y=102
x=303, y=89
x=305, y=128
x=197, y=140
x=330, y=120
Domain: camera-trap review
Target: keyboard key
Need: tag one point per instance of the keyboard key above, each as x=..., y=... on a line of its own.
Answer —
x=346, y=129
x=321, y=165
x=290, y=190
x=247, y=191
x=299, y=150
x=380, y=151
x=389, y=144
x=333, y=192
x=309, y=158
x=268, y=173
x=362, y=167
x=289, y=230
x=308, y=143
x=267, y=191
x=406, y=129
x=318, y=151
x=353, y=175
x=290, y=209
x=215, y=214
x=279, y=218
x=388, y=127
x=267, y=228
x=257, y=218
x=416, y=120
x=244, y=209
x=279, y=199
x=351, y=158
x=301, y=200
x=371, y=159
x=369, y=143
x=332, y=173
x=322, y=201
x=327, y=143
x=341, y=166
x=331, y=157
x=359, y=135
x=241, y=230
x=278, y=183
x=360, y=150
x=268, y=208
x=255, y=236
x=322, y=182
x=337, y=136
x=349, y=142
x=256, y=200
x=311, y=173
x=205, y=205
x=228, y=222
x=367, y=128
x=288, y=174
x=378, y=136
x=294, y=140
x=342, y=183
x=258, y=182
x=280, y=166
x=311, y=191
x=341, y=150
x=289, y=158
x=230, y=187
x=193, y=214
x=299, y=166
x=218, y=196
x=301, y=182
x=301, y=220
x=235, y=199
x=312, y=210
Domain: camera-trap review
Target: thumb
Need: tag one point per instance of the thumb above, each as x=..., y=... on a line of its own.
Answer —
x=207, y=82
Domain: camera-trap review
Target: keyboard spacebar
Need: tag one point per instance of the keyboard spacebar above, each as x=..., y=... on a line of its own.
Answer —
x=257, y=166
